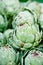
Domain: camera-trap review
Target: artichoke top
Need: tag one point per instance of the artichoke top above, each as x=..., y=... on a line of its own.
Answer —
x=11, y=6
x=26, y=31
x=34, y=58
x=7, y=56
x=22, y=18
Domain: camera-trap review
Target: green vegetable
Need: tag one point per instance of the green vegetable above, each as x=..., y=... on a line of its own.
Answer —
x=11, y=6
x=27, y=32
x=34, y=58
x=8, y=33
x=7, y=56
x=22, y=18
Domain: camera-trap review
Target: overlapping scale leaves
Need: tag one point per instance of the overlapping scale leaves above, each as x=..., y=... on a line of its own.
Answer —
x=26, y=32
x=11, y=6
x=21, y=32
x=34, y=58
x=7, y=56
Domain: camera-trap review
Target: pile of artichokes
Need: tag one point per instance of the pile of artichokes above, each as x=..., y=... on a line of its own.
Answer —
x=21, y=32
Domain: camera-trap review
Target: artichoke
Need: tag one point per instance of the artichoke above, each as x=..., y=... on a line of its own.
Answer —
x=8, y=33
x=34, y=8
x=11, y=6
x=8, y=56
x=26, y=33
x=34, y=58
x=3, y=22
x=2, y=39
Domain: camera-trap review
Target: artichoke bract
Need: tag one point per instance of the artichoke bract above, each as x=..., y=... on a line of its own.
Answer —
x=11, y=6
x=7, y=56
x=34, y=58
x=26, y=32
x=40, y=20
x=3, y=23
x=34, y=8
x=2, y=39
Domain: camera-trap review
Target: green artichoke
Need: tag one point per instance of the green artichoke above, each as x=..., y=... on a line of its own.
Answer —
x=3, y=23
x=2, y=39
x=26, y=32
x=34, y=8
x=11, y=6
x=8, y=56
x=34, y=58
x=8, y=33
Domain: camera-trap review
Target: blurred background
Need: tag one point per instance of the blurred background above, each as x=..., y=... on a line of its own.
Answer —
x=32, y=0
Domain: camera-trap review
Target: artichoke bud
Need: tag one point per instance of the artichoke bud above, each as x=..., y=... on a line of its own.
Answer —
x=34, y=58
x=7, y=56
x=22, y=18
x=12, y=7
x=8, y=33
x=27, y=32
